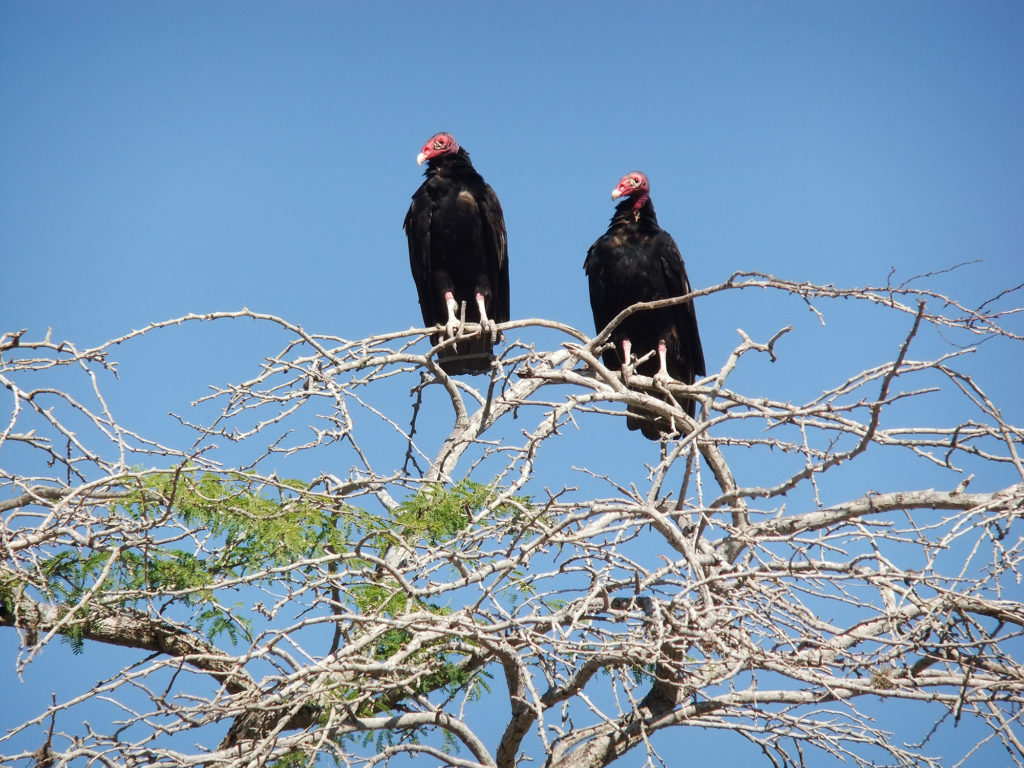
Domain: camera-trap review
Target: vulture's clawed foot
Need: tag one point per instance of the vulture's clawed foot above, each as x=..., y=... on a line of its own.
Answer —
x=662, y=378
x=629, y=362
x=453, y=326
x=488, y=327
x=628, y=369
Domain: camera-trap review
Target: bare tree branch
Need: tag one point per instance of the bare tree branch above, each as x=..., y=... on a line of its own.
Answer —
x=346, y=548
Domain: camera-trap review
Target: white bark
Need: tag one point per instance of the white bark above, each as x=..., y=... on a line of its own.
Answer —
x=609, y=609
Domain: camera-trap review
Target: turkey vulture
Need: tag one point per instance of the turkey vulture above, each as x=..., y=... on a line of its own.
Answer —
x=636, y=260
x=458, y=254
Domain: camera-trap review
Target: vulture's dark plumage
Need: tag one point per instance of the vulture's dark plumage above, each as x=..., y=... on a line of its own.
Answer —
x=458, y=254
x=634, y=261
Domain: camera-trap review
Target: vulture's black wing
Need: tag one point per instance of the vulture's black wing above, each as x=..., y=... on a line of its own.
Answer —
x=458, y=248
x=637, y=261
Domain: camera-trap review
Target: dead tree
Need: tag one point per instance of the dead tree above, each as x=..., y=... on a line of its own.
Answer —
x=351, y=555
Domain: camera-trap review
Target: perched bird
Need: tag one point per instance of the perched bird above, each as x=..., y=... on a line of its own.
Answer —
x=634, y=261
x=458, y=254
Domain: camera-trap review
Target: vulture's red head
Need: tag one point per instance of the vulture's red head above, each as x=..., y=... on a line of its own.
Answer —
x=635, y=185
x=438, y=144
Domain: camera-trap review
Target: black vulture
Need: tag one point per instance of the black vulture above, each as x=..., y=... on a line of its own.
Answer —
x=458, y=253
x=634, y=261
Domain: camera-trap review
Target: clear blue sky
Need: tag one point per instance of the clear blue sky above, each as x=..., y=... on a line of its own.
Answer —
x=168, y=157
x=160, y=158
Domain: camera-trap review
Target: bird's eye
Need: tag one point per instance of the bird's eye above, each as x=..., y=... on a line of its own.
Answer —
x=634, y=182
x=438, y=144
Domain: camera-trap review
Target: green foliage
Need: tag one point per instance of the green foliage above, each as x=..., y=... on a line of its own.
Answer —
x=261, y=530
x=222, y=527
x=437, y=514
x=74, y=637
x=214, y=621
x=642, y=674
x=258, y=532
x=294, y=759
x=384, y=597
